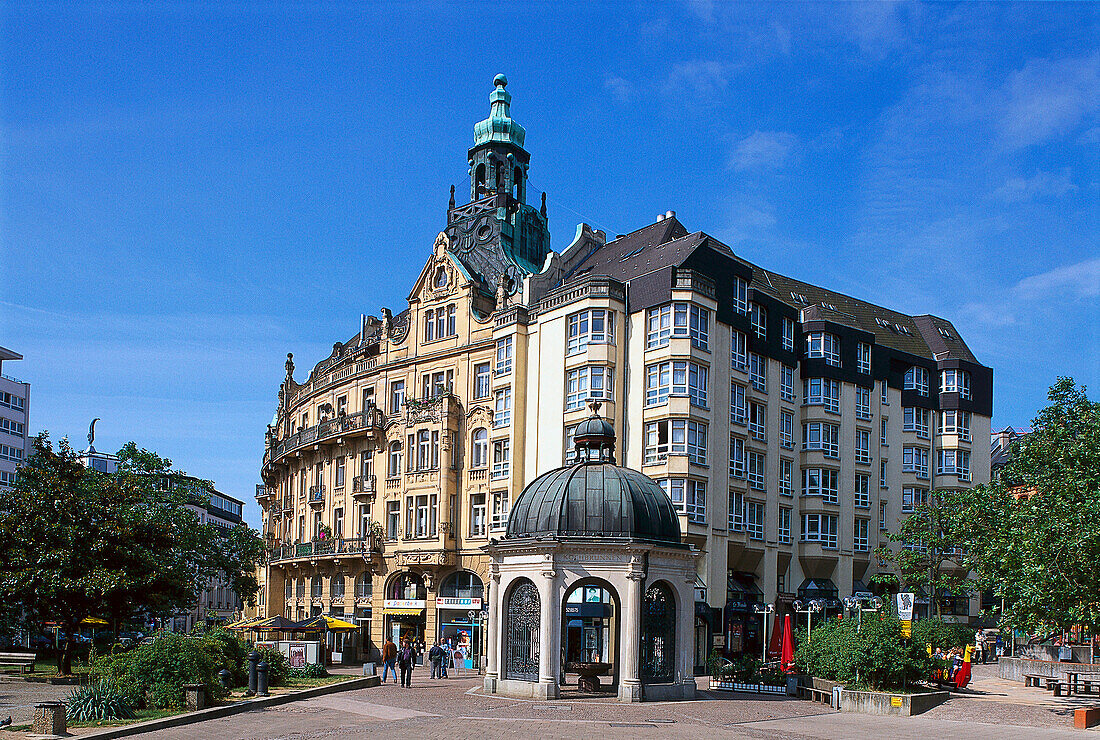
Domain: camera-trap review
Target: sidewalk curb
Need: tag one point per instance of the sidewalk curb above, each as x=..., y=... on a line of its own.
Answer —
x=227, y=710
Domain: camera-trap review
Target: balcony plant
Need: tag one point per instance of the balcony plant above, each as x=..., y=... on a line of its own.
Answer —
x=324, y=533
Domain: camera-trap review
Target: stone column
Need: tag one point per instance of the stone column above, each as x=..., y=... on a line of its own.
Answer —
x=550, y=637
x=630, y=684
x=685, y=633
x=493, y=637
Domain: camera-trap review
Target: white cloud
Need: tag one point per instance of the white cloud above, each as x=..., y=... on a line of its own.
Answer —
x=1048, y=98
x=763, y=150
x=1042, y=185
x=620, y=89
x=1081, y=280
x=702, y=80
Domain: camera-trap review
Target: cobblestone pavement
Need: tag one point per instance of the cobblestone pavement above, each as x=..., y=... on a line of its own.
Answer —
x=454, y=709
x=17, y=698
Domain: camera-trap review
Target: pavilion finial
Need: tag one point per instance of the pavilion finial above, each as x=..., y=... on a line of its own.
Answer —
x=595, y=406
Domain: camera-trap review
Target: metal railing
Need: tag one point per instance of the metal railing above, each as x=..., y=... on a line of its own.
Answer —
x=363, y=484
x=316, y=494
x=326, y=429
x=332, y=546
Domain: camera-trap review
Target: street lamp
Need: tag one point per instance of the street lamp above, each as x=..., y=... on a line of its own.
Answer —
x=814, y=605
x=764, y=610
x=856, y=603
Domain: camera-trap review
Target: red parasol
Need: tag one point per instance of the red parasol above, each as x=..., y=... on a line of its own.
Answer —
x=775, y=648
x=787, y=651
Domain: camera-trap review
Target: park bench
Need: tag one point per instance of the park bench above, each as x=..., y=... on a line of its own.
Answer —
x=25, y=661
x=1034, y=679
x=824, y=696
x=1079, y=682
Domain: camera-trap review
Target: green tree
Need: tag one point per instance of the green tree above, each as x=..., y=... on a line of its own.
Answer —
x=80, y=543
x=1033, y=536
x=926, y=550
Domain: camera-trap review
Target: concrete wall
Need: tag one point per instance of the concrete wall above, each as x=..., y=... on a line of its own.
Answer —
x=899, y=705
x=1014, y=669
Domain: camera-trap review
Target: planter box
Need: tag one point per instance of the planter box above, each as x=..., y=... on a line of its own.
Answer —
x=899, y=705
x=752, y=688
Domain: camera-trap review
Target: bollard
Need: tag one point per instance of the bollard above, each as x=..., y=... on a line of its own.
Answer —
x=253, y=658
x=195, y=694
x=50, y=718
x=223, y=677
x=261, y=679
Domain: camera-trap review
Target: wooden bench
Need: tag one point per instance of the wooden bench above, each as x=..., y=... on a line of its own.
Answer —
x=824, y=696
x=25, y=661
x=1034, y=679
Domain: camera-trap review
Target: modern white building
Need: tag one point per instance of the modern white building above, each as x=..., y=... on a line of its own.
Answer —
x=15, y=404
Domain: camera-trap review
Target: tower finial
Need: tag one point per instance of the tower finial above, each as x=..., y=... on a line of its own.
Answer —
x=543, y=209
x=500, y=81
x=451, y=203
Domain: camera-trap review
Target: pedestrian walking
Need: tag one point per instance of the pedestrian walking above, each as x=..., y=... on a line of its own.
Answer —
x=406, y=658
x=446, y=656
x=435, y=656
x=389, y=658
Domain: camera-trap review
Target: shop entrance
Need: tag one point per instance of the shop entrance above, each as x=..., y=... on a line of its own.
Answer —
x=458, y=611
x=404, y=609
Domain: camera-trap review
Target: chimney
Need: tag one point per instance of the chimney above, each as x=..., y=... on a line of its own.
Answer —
x=670, y=214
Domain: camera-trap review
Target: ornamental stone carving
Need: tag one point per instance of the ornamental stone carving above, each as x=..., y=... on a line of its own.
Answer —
x=424, y=557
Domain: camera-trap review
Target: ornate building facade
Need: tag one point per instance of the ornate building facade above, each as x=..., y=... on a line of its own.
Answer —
x=789, y=425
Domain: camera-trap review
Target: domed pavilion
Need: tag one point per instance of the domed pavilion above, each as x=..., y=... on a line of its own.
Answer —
x=592, y=588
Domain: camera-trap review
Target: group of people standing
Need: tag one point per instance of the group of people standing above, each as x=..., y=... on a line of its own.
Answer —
x=402, y=659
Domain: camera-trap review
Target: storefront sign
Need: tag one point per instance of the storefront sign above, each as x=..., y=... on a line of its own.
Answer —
x=451, y=602
x=581, y=611
x=404, y=604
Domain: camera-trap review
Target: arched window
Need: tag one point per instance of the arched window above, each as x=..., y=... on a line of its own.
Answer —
x=316, y=587
x=658, y=650
x=517, y=183
x=480, y=449
x=480, y=179
x=394, y=468
x=521, y=662
x=461, y=585
x=364, y=587
x=289, y=588
x=407, y=586
x=301, y=590
x=337, y=587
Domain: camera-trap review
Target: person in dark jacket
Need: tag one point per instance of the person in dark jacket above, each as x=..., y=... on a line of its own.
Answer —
x=406, y=658
x=435, y=655
x=389, y=659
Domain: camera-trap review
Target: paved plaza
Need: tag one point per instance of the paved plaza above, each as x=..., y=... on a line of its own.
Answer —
x=455, y=708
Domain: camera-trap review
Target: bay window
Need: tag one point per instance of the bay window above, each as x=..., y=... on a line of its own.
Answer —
x=593, y=326
x=823, y=345
x=819, y=528
x=821, y=482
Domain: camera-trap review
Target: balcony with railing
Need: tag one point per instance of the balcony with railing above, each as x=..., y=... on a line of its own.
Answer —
x=363, y=485
x=316, y=495
x=361, y=423
x=332, y=546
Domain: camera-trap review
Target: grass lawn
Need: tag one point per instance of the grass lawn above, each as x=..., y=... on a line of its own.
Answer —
x=308, y=683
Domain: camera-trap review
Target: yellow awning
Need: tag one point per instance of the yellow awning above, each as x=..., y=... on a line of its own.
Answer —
x=93, y=620
x=338, y=625
x=403, y=612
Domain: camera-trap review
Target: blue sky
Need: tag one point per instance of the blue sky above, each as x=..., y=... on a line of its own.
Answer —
x=190, y=191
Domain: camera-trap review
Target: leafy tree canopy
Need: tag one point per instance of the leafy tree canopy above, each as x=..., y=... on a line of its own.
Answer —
x=80, y=543
x=1033, y=535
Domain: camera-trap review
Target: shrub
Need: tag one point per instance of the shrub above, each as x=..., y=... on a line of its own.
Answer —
x=97, y=701
x=278, y=669
x=874, y=656
x=154, y=674
x=310, y=670
x=231, y=651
